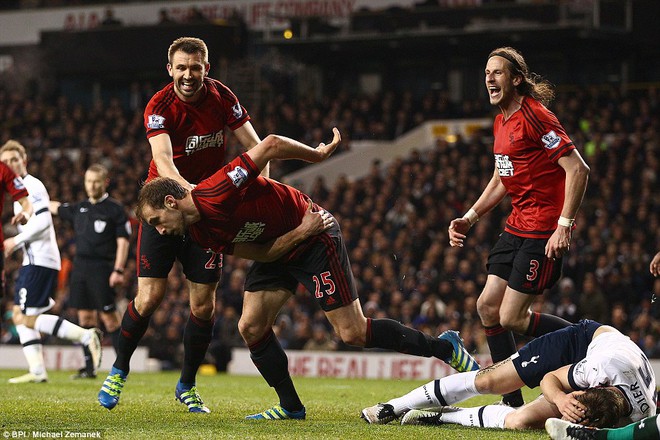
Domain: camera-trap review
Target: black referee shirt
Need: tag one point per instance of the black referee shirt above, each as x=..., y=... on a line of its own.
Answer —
x=97, y=226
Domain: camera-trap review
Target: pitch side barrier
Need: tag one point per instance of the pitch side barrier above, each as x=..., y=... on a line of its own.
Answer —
x=357, y=162
x=70, y=358
x=361, y=365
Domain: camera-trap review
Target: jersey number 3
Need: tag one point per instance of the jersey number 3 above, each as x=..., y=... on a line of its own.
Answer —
x=533, y=270
x=325, y=282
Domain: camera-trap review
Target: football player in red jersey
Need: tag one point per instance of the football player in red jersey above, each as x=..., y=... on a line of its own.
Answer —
x=186, y=125
x=537, y=165
x=238, y=212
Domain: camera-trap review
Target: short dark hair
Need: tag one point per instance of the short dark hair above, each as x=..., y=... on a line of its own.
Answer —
x=153, y=193
x=189, y=45
x=532, y=84
x=605, y=406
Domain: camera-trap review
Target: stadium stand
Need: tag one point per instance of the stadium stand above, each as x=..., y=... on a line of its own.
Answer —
x=395, y=218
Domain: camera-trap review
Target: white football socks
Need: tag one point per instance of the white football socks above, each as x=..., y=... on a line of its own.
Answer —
x=454, y=388
x=68, y=330
x=33, y=351
x=490, y=416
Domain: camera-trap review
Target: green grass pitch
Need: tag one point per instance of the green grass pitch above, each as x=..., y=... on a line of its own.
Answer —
x=147, y=409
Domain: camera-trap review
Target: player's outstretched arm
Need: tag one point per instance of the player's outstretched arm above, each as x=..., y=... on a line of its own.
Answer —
x=282, y=147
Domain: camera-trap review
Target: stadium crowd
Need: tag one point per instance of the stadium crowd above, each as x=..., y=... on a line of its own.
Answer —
x=394, y=220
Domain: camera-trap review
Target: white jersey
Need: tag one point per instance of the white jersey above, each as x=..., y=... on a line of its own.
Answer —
x=37, y=236
x=614, y=360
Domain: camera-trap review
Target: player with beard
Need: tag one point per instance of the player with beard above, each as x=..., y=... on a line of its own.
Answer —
x=238, y=212
x=538, y=166
x=186, y=124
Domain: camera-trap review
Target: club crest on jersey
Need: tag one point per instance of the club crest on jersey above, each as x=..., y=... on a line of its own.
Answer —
x=99, y=226
x=18, y=183
x=237, y=110
x=238, y=176
x=551, y=140
x=156, y=122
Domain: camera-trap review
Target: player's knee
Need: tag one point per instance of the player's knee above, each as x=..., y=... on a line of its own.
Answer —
x=489, y=313
x=514, y=323
x=518, y=420
x=204, y=310
x=485, y=384
x=251, y=330
x=18, y=318
x=147, y=304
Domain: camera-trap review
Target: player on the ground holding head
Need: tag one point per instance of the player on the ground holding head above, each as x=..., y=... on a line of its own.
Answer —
x=537, y=165
x=583, y=356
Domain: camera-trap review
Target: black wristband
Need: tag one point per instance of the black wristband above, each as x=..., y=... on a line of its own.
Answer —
x=119, y=271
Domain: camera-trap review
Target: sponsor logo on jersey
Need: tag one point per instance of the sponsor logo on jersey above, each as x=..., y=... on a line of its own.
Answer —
x=533, y=360
x=18, y=183
x=237, y=110
x=156, y=122
x=551, y=140
x=238, y=176
x=83, y=209
x=504, y=165
x=249, y=232
x=198, y=143
x=99, y=226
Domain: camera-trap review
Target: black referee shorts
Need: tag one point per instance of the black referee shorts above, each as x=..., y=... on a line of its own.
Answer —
x=89, y=288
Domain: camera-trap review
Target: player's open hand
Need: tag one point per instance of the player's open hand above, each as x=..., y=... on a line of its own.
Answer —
x=570, y=408
x=314, y=223
x=458, y=228
x=327, y=150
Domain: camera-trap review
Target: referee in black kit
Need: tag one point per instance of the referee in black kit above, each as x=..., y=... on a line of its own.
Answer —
x=102, y=232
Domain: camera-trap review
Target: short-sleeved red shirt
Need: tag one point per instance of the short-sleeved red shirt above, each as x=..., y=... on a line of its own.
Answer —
x=238, y=205
x=527, y=148
x=196, y=130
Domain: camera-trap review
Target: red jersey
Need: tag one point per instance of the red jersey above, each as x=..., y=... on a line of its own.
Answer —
x=527, y=148
x=197, y=130
x=238, y=205
x=13, y=185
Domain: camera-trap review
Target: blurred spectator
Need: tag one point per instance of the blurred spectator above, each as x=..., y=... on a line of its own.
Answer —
x=620, y=216
x=109, y=18
x=225, y=337
x=320, y=340
x=164, y=17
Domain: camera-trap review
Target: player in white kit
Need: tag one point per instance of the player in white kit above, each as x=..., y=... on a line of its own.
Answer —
x=37, y=278
x=589, y=373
